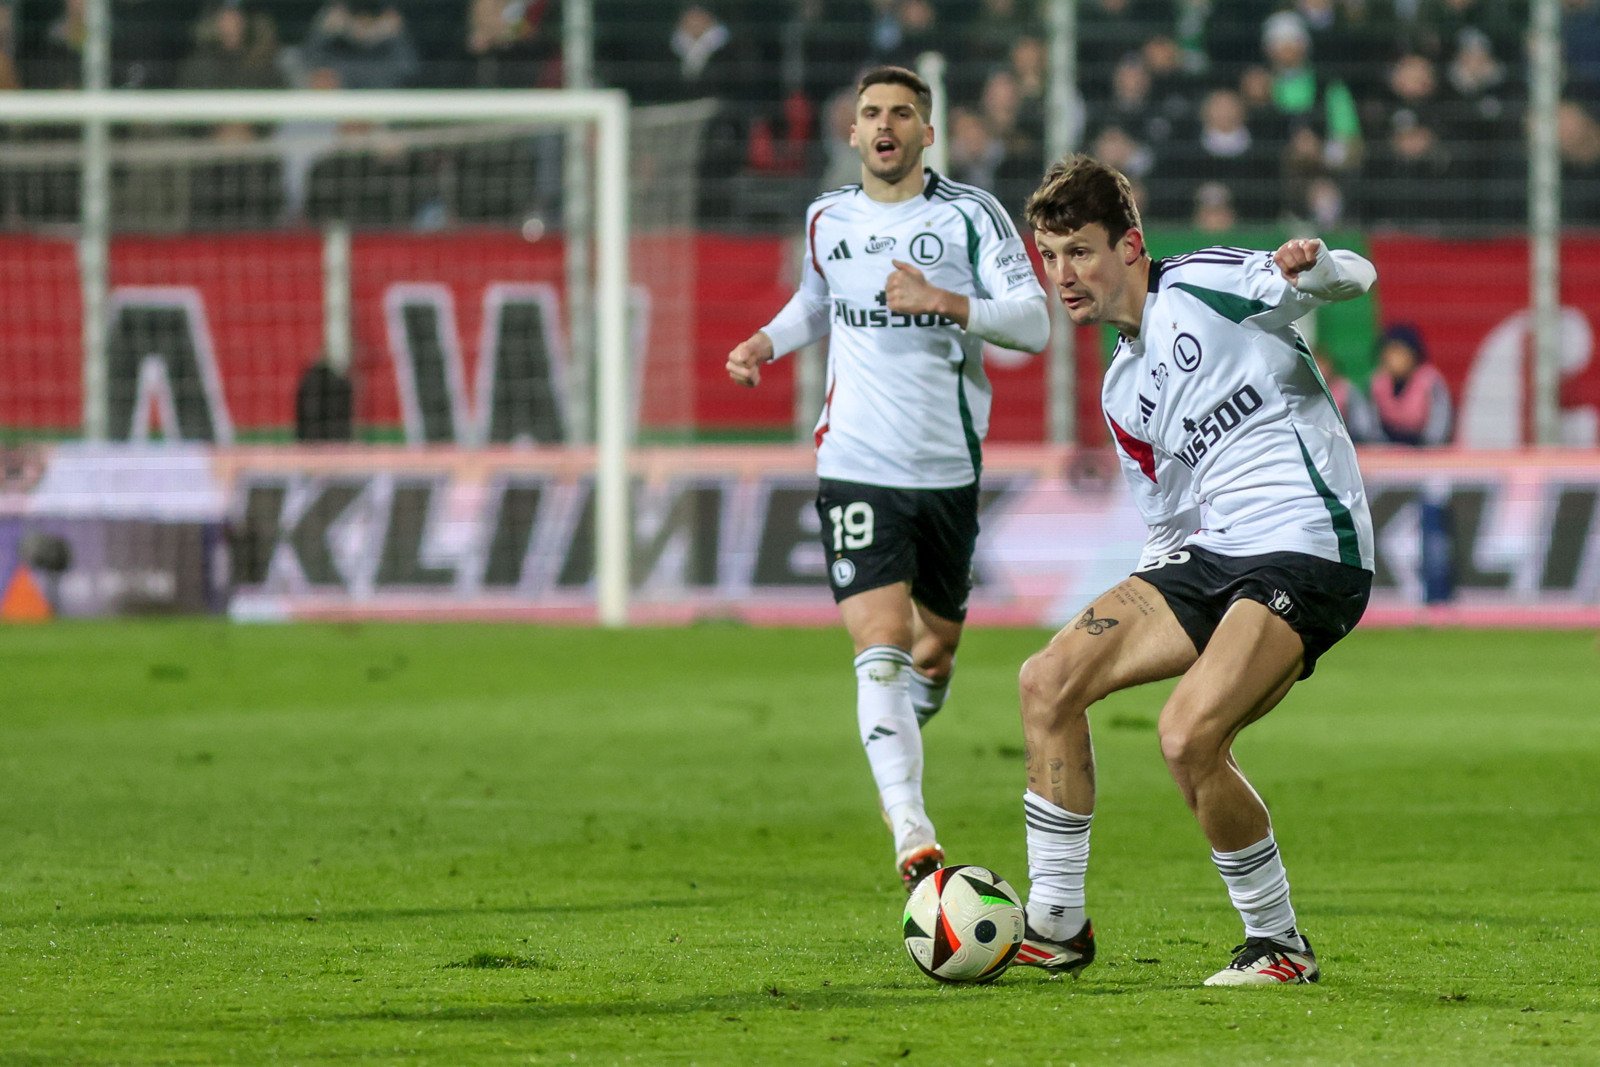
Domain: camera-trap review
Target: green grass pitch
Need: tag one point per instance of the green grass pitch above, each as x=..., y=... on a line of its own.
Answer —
x=500, y=844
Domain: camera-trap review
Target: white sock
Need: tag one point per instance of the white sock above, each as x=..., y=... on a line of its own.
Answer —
x=1058, y=860
x=894, y=744
x=927, y=696
x=1259, y=888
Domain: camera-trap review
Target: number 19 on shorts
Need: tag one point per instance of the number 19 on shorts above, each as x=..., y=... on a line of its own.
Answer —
x=852, y=525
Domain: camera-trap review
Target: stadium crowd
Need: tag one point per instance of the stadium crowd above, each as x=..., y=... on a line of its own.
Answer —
x=1407, y=113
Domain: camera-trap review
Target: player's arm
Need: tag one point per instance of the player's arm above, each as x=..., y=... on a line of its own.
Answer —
x=1021, y=323
x=1289, y=283
x=1324, y=273
x=1017, y=316
x=803, y=320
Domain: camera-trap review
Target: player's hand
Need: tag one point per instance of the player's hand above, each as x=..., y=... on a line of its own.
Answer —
x=744, y=362
x=909, y=292
x=1297, y=255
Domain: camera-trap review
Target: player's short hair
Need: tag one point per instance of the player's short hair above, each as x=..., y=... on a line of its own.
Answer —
x=1078, y=190
x=899, y=76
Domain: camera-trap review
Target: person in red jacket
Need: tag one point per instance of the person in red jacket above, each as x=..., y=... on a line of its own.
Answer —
x=1413, y=406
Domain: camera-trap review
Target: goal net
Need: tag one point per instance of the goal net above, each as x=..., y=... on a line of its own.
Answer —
x=372, y=277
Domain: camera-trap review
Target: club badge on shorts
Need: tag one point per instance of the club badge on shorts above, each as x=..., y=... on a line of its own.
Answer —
x=844, y=572
x=1280, y=602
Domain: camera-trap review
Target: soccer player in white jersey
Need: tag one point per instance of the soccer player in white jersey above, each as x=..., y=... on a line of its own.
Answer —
x=909, y=274
x=1259, y=556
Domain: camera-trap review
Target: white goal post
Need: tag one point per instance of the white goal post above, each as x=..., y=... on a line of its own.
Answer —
x=606, y=109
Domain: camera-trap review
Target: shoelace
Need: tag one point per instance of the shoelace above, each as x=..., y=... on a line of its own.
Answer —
x=1243, y=957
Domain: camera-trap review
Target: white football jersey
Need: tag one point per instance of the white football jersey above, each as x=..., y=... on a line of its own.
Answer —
x=1226, y=431
x=907, y=397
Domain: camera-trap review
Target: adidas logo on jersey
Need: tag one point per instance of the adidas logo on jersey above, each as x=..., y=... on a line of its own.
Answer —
x=840, y=251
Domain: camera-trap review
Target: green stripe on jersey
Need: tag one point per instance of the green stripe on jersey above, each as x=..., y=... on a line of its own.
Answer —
x=1231, y=306
x=974, y=246
x=974, y=445
x=1344, y=527
x=1304, y=349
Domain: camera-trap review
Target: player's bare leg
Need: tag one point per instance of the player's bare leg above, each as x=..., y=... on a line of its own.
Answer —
x=1251, y=662
x=1125, y=638
x=933, y=659
x=880, y=625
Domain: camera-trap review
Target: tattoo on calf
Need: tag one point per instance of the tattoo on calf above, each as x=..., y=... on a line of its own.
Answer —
x=1095, y=626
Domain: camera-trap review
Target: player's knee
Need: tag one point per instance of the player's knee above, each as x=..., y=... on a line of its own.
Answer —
x=1189, y=747
x=935, y=662
x=1054, y=687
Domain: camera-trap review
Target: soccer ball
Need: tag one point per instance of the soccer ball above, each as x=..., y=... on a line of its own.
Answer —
x=963, y=924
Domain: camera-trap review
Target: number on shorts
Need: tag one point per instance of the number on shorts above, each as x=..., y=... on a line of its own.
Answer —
x=1168, y=559
x=852, y=525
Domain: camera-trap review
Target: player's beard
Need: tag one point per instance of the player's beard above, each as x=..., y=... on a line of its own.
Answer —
x=906, y=160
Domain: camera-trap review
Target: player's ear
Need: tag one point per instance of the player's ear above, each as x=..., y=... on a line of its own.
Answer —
x=1132, y=246
x=927, y=136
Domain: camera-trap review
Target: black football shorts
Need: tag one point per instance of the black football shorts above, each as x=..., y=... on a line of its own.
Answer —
x=875, y=536
x=1320, y=599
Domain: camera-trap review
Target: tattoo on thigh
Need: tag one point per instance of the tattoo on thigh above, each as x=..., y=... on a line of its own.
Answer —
x=1095, y=626
x=1128, y=596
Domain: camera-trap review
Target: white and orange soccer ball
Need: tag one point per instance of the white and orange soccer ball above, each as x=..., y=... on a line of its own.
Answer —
x=963, y=924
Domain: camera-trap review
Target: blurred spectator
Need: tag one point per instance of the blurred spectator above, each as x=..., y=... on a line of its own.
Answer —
x=1115, y=146
x=1409, y=393
x=1304, y=164
x=1413, y=83
x=365, y=43
x=150, y=39
x=514, y=45
x=706, y=59
x=1578, y=135
x=1133, y=106
x=823, y=46
x=990, y=38
x=1213, y=209
x=974, y=153
x=902, y=30
x=1580, y=47
x=1319, y=204
x=1022, y=154
x=1304, y=95
x=1484, y=127
x=1353, y=404
x=236, y=47
x=1173, y=88
x=57, y=61
x=1107, y=31
x=1409, y=180
x=841, y=162
x=1441, y=24
x=301, y=144
x=1231, y=32
x=10, y=78
x=1413, y=407
x=1268, y=126
x=1225, y=151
